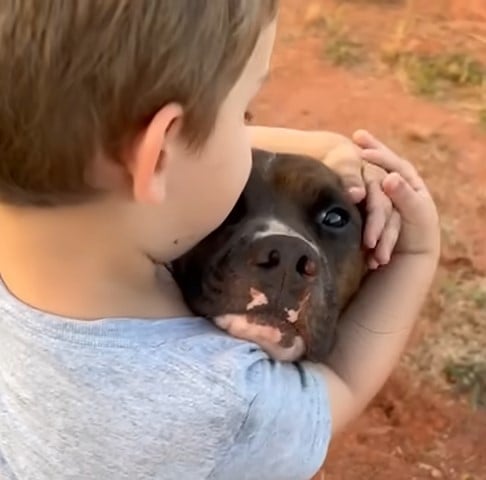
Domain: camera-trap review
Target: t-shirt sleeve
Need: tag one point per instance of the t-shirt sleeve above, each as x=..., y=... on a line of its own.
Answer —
x=287, y=428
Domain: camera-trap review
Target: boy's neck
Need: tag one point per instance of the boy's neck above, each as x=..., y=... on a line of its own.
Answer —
x=56, y=263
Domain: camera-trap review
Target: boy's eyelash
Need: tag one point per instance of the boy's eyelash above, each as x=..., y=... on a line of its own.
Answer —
x=248, y=116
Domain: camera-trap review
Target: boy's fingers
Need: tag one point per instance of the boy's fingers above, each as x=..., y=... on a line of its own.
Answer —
x=405, y=199
x=369, y=141
x=378, y=207
x=380, y=155
x=373, y=263
x=352, y=178
x=393, y=163
x=388, y=239
x=364, y=139
x=347, y=163
x=357, y=194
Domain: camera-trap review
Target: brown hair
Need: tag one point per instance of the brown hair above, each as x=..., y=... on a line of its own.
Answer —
x=80, y=77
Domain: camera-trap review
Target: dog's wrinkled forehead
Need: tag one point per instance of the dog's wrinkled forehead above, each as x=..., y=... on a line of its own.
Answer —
x=303, y=176
x=281, y=182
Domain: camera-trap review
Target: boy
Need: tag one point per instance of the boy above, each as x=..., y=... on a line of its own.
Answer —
x=122, y=145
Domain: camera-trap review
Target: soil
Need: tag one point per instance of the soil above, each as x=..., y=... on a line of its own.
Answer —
x=332, y=70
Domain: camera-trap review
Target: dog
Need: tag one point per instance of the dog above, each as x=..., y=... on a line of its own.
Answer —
x=284, y=264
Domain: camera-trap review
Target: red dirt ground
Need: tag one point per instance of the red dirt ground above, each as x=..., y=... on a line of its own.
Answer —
x=417, y=428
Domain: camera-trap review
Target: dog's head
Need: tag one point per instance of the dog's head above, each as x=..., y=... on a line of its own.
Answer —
x=284, y=263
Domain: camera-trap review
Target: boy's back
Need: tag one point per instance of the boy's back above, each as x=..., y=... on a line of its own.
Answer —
x=144, y=399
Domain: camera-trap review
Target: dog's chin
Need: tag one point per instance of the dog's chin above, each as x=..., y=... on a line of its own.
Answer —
x=269, y=338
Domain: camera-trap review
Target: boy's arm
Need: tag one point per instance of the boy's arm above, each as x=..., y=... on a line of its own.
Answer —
x=335, y=150
x=312, y=143
x=377, y=324
x=373, y=333
x=375, y=328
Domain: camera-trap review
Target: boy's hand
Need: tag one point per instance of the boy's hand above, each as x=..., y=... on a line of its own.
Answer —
x=420, y=231
x=361, y=179
x=363, y=182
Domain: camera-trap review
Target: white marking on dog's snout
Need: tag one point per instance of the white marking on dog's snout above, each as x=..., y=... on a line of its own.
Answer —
x=292, y=314
x=276, y=227
x=257, y=299
x=266, y=336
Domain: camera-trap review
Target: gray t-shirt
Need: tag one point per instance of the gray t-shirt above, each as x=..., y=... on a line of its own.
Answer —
x=172, y=399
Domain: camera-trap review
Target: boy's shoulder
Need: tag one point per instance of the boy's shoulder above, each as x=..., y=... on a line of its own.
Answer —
x=189, y=349
x=142, y=394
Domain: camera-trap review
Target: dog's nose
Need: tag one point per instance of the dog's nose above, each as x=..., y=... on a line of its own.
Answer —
x=285, y=254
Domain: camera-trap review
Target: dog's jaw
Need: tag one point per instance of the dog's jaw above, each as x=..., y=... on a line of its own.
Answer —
x=268, y=338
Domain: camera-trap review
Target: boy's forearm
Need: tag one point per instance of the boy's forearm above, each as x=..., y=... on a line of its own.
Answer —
x=374, y=332
x=312, y=143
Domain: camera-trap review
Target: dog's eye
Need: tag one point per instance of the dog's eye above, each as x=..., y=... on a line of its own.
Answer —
x=335, y=217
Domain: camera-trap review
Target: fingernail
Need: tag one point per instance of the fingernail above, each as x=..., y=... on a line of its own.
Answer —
x=360, y=133
x=356, y=193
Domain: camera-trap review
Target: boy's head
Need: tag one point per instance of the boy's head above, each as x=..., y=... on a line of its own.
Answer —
x=136, y=105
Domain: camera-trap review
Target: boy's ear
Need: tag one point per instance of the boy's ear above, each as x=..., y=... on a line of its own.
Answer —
x=147, y=165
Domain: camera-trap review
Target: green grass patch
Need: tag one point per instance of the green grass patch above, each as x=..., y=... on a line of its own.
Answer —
x=343, y=51
x=478, y=297
x=339, y=46
x=470, y=379
x=435, y=75
x=482, y=118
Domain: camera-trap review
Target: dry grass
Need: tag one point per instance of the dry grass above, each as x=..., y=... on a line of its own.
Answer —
x=436, y=75
x=469, y=379
x=339, y=45
x=455, y=351
x=343, y=51
x=482, y=118
x=456, y=344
